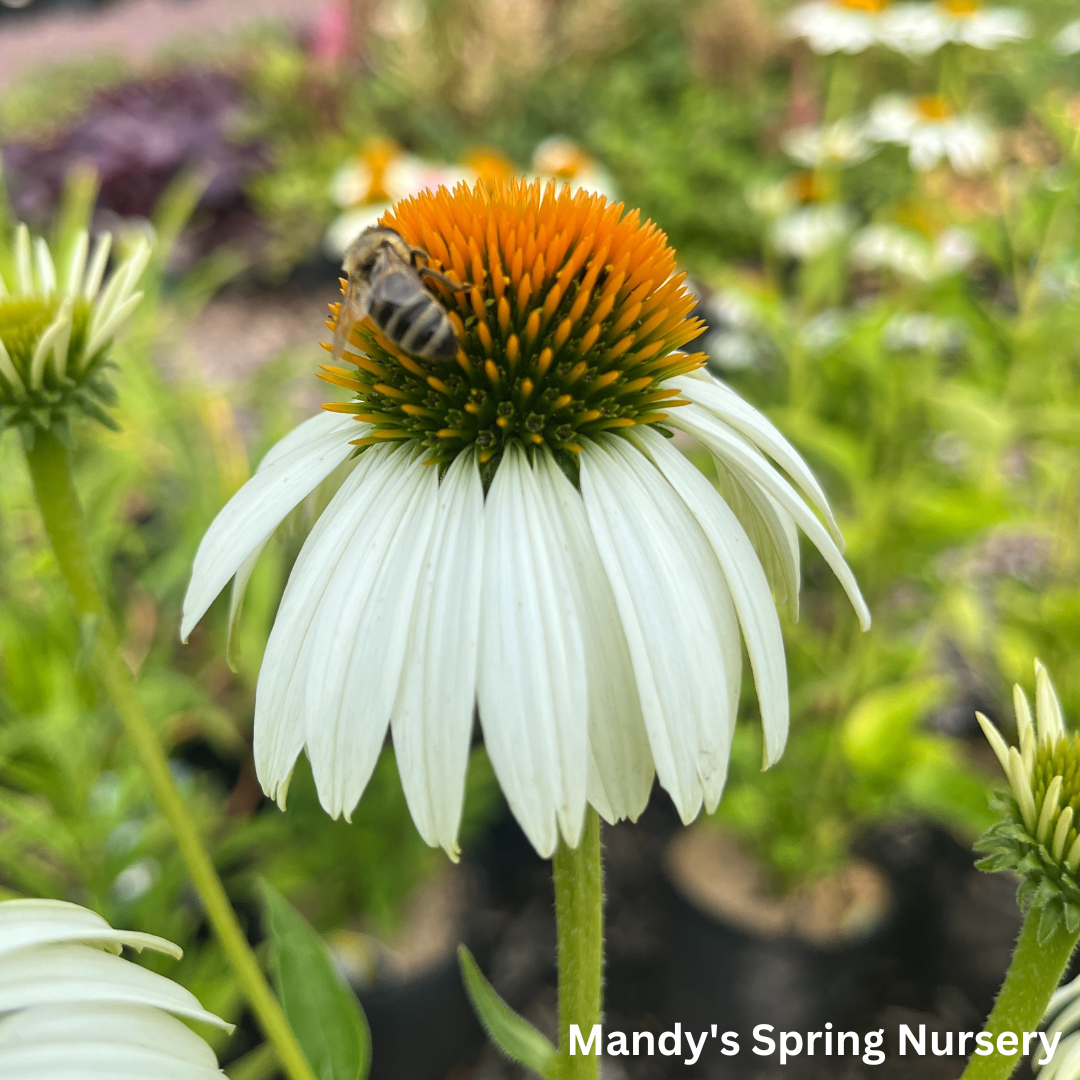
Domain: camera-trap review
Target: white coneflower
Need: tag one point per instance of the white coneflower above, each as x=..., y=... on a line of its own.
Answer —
x=932, y=132
x=911, y=254
x=371, y=181
x=562, y=159
x=518, y=535
x=72, y=1009
x=816, y=146
x=56, y=326
x=1062, y=1026
x=1067, y=39
x=831, y=26
x=812, y=230
x=919, y=29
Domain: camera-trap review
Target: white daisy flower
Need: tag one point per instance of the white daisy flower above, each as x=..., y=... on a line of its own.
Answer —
x=919, y=29
x=72, y=1009
x=1062, y=1026
x=831, y=26
x=933, y=133
x=519, y=537
x=1067, y=39
x=812, y=230
x=910, y=254
x=56, y=329
x=816, y=146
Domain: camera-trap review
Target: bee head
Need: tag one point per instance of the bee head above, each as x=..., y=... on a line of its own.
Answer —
x=366, y=248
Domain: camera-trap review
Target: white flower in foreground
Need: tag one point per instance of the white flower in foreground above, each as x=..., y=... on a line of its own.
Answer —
x=843, y=143
x=812, y=230
x=1067, y=39
x=910, y=254
x=56, y=328
x=519, y=536
x=72, y=1009
x=831, y=26
x=1061, y=1022
x=919, y=29
x=933, y=132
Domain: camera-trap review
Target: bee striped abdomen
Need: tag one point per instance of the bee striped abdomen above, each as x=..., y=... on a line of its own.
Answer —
x=412, y=318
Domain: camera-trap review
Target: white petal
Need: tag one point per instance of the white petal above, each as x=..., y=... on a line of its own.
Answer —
x=1048, y=719
x=59, y=328
x=77, y=264
x=745, y=579
x=236, y=603
x=24, y=267
x=96, y=1035
x=725, y=404
x=360, y=631
x=38, y=922
x=620, y=761
x=531, y=681
x=739, y=454
x=677, y=615
x=46, y=272
x=100, y=335
x=98, y=261
x=771, y=531
x=59, y=974
x=253, y=513
x=279, y=696
x=433, y=715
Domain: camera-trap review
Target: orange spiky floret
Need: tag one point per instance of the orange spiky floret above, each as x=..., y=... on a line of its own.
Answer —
x=574, y=320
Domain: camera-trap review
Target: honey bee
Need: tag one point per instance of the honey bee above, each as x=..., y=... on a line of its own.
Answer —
x=386, y=281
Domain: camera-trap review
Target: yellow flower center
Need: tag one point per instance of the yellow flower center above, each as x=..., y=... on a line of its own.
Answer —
x=572, y=323
x=960, y=9
x=870, y=6
x=932, y=107
x=812, y=187
x=377, y=156
x=23, y=320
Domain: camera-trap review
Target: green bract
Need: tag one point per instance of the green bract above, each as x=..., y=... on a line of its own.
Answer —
x=1037, y=836
x=56, y=329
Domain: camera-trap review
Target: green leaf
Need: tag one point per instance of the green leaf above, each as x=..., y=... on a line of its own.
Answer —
x=514, y=1036
x=322, y=1010
x=1051, y=918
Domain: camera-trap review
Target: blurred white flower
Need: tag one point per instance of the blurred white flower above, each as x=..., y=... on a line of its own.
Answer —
x=368, y=184
x=831, y=26
x=910, y=254
x=843, y=143
x=933, y=132
x=824, y=331
x=919, y=29
x=72, y=1009
x=735, y=340
x=1067, y=39
x=922, y=332
x=560, y=158
x=811, y=230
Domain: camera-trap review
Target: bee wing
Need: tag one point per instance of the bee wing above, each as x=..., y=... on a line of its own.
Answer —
x=354, y=308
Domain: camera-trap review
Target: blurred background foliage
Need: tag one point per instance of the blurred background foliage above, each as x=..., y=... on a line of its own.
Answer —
x=942, y=413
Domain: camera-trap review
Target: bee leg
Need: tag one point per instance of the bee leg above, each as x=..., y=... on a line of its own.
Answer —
x=443, y=279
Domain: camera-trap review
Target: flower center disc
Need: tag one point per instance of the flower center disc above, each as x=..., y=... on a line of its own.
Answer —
x=571, y=324
x=933, y=107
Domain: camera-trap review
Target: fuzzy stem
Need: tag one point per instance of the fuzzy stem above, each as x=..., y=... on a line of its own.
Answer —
x=61, y=511
x=1033, y=975
x=579, y=919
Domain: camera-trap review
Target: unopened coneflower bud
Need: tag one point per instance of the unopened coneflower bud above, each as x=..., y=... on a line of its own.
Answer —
x=56, y=327
x=1037, y=836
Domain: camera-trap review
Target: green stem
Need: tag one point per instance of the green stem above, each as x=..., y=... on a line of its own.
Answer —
x=1033, y=975
x=61, y=511
x=579, y=920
